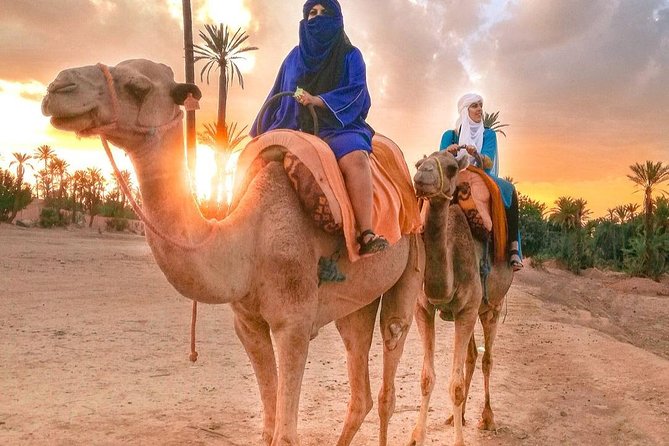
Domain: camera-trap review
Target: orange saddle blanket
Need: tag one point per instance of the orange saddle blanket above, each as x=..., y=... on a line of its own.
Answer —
x=313, y=171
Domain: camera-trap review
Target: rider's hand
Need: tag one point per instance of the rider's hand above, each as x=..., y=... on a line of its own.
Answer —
x=305, y=98
x=471, y=150
x=453, y=149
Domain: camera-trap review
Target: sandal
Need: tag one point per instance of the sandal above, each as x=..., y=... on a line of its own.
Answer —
x=515, y=261
x=375, y=243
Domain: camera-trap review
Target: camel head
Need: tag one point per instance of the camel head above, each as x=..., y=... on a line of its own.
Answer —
x=436, y=175
x=125, y=103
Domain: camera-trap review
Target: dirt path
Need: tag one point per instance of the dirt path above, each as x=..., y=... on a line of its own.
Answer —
x=95, y=352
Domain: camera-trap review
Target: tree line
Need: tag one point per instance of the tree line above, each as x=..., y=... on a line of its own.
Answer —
x=68, y=196
x=631, y=237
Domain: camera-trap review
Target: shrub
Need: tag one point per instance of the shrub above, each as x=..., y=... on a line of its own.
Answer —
x=117, y=224
x=50, y=217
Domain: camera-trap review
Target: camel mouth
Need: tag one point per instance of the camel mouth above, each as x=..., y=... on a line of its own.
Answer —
x=76, y=123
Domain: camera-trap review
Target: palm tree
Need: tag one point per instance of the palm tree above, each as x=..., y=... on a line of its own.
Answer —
x=58, y=168
x=222, y=51
x=621, y=213
x=490, y=120
x=21, y=161
x=224, y=145
x=126, y=177
x=564, y=213
x=631, y=209
x=93, y=194
x=191, y=152
x=647, y=177
x=44, y=153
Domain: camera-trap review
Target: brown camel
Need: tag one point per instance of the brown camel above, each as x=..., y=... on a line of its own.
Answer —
x=453, y=286
x=262, y=259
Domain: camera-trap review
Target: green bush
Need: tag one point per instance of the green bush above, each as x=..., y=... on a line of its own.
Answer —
x=50, y=217
x=117, y=224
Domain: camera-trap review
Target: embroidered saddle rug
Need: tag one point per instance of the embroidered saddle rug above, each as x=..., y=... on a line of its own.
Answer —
x=314, y=173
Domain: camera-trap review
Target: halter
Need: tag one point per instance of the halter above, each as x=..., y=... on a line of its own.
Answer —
x=441, y=193
x=136, y=128
x=153, y=132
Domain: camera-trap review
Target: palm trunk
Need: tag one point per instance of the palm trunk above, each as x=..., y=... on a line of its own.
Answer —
x=648, y=227
x=191, y=151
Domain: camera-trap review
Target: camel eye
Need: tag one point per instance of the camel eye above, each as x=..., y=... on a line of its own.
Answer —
x=138, y=90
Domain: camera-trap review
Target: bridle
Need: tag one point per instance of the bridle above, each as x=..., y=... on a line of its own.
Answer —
x=442, y=177
x=153, y=132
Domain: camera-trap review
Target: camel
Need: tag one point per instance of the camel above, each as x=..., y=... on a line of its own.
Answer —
x=453, y=286
x=261, y=259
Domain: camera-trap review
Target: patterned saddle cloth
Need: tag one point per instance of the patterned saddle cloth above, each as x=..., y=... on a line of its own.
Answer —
x=313, y=171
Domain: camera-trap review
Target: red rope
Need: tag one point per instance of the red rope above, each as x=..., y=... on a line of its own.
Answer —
x=193, y=353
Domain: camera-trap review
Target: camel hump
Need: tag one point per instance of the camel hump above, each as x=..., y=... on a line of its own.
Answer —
x=315, y=175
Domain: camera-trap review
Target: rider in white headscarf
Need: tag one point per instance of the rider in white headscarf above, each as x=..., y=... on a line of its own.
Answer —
x=470, y=137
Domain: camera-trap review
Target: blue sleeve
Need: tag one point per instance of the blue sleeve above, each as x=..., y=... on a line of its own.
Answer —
x=489, y=149
x=350, y=101
x=447, y=139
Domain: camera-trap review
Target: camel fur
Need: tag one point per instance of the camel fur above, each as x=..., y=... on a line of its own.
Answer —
x=453, y=287
x=262, y=259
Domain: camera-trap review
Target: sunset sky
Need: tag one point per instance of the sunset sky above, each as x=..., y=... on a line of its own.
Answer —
x=584, y=84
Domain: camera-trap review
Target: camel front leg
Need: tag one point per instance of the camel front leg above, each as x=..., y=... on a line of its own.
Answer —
x=397, y=307
x=489, y=322
x=255, y=337
x=426, y=329
x=464, y=330
x=292, y=345
x=470, y=365
x=357, y=331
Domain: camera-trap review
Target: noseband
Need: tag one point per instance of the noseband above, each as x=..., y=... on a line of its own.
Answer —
x=440, y=193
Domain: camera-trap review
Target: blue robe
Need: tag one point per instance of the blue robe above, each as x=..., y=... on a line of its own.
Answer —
x=343, y=127
x=489, y=149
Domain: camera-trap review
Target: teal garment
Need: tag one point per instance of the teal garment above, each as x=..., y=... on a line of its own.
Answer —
x=489, y=149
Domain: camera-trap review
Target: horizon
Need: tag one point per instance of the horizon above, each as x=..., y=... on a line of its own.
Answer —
x=580, y=83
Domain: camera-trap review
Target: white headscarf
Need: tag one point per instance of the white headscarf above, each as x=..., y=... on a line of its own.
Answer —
x=471, y=133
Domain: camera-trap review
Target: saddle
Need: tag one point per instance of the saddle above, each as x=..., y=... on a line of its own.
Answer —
x=315, y=176
x=480, y=199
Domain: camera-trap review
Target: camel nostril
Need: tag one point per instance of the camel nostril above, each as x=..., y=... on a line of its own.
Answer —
x=61, y=87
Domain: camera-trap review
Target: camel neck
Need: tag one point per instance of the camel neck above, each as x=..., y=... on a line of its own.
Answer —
x=167, y=198
x=438, y=268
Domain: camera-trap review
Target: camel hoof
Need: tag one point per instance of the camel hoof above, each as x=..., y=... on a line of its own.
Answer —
x=485, y=424
x=416, y=441
x=449, y=421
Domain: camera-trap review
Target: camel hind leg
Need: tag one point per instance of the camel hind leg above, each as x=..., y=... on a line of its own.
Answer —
x=357, y=331
x=489, y=321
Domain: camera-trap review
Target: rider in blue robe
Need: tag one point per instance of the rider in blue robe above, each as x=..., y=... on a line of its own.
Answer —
x=331, y=76
x=342, y=122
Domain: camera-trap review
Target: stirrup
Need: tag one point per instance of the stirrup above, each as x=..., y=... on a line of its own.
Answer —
x=375, y=244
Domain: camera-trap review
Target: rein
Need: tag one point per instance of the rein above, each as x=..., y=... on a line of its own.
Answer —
x=152, y=132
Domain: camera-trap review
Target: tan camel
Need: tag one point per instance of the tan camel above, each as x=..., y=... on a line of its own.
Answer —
x=262, y=259
x=453, y=286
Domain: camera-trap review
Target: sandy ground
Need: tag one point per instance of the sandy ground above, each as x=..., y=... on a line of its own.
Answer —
x=95, y=348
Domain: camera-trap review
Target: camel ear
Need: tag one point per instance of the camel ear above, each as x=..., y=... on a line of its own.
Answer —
x=463, y=162
x=420, y=162
x=180, y=92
